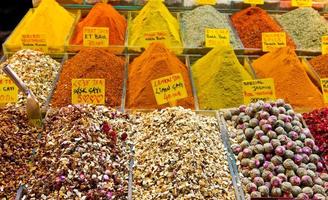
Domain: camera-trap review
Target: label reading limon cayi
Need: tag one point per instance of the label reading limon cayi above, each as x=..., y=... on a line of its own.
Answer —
x=254, y=2
x=324, y=44
x=155, y=36
x=259, y=89
x=301, y=3
x=88, y=91
x=324, y=87
x=272, y=40
x=8, y=91
x=95, y=36
x=216, y=37
x=206, y=2
x=37, y=42
x=169, y=89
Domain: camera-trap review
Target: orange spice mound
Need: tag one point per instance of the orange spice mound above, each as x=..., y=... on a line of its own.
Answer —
x=251, y=22
x=155, y=62
x=103, y=15
x=291, y=80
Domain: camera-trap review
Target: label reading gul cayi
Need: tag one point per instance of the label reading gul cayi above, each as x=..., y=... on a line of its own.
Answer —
x=272, y=40
x=302, y=3
x=206, y=2
x=259, y=89
x=95, y=36
x=324, y=44
x=8, y=91
x=88, y=91
x=37, y=42
x=254, y=2
x=216, y=37
x=156, y=36
x=169, y=89
x=324, y=87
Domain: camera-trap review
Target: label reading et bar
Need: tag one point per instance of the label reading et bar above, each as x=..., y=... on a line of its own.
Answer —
x=95, y=36
x=259, y=89
x=169, y=89
x=324, y=87
x=272, y=40
x=8, y=91
x=88, y=91
x=324, y=44
x=217, y=37
x=36, y=42
x=301, y=3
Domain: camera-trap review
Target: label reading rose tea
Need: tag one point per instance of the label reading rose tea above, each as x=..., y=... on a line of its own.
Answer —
x=216, y=37
x=168, y=89
x=8, y=91
x=88, y=91
x=272, y=40
x=36, y=42
x=259, y=89
x=95, y=36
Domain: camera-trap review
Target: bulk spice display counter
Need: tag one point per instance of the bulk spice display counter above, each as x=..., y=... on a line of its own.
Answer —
x=208, y=145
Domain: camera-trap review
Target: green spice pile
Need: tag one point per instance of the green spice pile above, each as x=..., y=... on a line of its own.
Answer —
x=305, y=26
x=37, y=70
x=196, y=21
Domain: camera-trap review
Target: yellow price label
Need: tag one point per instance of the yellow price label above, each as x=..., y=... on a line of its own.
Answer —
x=169, y=89
x=88, y=91
x=259, y=89
x=254, y=2
x=272, y=40
x=216, y=37
x=95, y=36
x=302, y=3
x=206, y=2
x=324, y=87
x=36, y=42
x=324, y=44
x=8, y=91
x=155, y=36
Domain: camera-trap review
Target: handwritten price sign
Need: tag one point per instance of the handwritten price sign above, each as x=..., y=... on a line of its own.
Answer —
x=95, y=36
x=156, y=36
x=216, y=37
x=8, y=91
x=206, y=2
x=260, y=89
x=302, y=3
x=272, y=40
x=254, y=2
x=324, y=44
x=88, y=91
x=169, y=89
x=324, y=87
x=37, y=42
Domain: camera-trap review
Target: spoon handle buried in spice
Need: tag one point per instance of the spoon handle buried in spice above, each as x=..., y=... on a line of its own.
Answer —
x=32, y=105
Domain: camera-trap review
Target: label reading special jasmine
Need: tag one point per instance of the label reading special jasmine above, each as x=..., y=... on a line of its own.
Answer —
x=324, y=87
x=95, y=36
x=8, y=91
x=88, y=91
x=302, y=3
x=259, y=89
x=216, y=37
x=169, y=89
x=36, y=42
x=324, y=44
x=272, y=40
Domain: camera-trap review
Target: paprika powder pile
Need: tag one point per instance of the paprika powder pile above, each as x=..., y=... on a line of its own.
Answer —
x=91, y=63
x=155, y=62
x=317, y=122
x=251, y=22
x=291, y=80
x=103, y=15
x=320, y=65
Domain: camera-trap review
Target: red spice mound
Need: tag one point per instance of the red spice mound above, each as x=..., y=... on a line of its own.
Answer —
x=251, y=22
x=320, y=65
x=317, y=121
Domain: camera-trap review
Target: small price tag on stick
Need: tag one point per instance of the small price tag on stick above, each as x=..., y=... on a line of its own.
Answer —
x=324, y=44
x=206, y=2
x=36, y=42
x=88, y=91
x=259, y=89
x=272, y=40
x=169, y=89
x=254, y=2
x=324, y=87
x=8, y=91
x=302, y=3
x=95, y=36
x=216, y=37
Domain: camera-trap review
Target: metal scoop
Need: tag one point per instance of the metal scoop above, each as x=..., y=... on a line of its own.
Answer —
x=32, y=105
